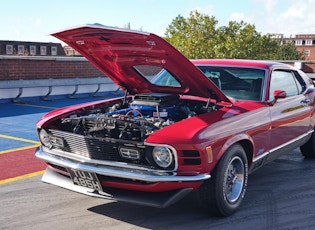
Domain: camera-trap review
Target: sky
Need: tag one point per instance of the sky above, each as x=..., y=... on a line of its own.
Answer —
x=35, y=20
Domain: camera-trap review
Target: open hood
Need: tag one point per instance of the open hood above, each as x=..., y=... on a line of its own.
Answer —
x=117, y=51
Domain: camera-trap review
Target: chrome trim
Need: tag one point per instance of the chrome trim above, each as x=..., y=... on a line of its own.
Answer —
x=86, y=160
x=79, y=143
x=282, y=146
x=261, y=156
x=167, y=146
x=120, y=172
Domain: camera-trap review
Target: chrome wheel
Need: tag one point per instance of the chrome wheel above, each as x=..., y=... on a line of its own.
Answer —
x=234, y=179
x=223, y=193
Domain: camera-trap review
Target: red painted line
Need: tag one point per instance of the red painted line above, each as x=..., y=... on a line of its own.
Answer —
x=18, y=163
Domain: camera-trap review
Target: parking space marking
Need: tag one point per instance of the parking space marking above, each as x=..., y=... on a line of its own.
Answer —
x=35, y=143
x=18, y=139
x=5, y=181
x=18, y=149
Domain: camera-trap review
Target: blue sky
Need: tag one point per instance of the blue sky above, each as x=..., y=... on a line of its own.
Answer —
x=34, y=20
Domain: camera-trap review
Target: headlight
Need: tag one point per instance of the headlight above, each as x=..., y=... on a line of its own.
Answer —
x=162, y=156
x=44, y=138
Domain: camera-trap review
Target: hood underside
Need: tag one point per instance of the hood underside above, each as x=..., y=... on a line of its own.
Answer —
x=117, y=53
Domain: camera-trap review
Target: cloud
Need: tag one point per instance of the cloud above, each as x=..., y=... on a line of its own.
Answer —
x=208, y=9
x=35, y=22
x=38, y=22
x=238, y=17
x=268, y=5
x=298, y=18
x=288, y=17
x=17, y=33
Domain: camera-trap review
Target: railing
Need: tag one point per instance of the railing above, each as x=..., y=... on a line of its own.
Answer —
x=51, y=83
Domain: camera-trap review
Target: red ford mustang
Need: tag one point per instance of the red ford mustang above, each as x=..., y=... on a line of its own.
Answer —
x=182, y=126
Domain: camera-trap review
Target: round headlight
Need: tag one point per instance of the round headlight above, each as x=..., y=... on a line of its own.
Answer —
x=44, y=138
x=162, y=156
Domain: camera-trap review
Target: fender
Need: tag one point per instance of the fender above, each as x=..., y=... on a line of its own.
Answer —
x=236, y=139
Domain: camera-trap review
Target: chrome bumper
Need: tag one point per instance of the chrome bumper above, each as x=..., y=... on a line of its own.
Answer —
x=114, y=171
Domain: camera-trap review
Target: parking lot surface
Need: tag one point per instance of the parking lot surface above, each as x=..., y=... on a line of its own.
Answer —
x=281, y=195
x=18, y=137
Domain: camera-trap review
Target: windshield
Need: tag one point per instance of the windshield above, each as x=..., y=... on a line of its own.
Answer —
x=237, y=82
x=157, y=75
x=165, y=78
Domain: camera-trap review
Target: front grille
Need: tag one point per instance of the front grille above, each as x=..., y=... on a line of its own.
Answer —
x=94, y=148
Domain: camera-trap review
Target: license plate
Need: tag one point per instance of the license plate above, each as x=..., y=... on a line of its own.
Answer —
x=85, y=179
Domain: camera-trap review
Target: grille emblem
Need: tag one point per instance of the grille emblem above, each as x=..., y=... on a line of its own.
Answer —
x=132, y=154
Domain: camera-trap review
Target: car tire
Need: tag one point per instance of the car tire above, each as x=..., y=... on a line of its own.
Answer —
x=223, y=193
x=308, y=149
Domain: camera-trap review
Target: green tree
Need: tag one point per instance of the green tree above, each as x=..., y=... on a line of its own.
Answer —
x=194, y=36
x=198, y=36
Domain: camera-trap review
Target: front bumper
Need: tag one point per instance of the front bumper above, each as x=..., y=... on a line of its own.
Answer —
x=114, y=171
x=155, y=199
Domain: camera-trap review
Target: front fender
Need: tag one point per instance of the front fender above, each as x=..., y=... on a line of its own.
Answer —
x=244, y=139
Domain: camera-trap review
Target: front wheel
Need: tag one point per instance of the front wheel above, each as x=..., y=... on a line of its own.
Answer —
x=223, y=193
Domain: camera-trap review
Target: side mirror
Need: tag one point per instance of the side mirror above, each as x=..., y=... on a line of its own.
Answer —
x=278, y=94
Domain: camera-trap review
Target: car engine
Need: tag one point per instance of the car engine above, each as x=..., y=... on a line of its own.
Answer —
x=136, y=120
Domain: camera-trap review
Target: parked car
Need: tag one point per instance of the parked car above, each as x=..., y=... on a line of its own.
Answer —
x=198, y=125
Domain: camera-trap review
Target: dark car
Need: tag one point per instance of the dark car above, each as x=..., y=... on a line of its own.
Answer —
x=198, y=125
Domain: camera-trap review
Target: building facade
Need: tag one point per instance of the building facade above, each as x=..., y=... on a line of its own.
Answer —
x=70, y=51
x=304, y=43
x=22, y=48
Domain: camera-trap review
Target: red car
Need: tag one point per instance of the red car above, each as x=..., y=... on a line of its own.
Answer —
x=200, y=125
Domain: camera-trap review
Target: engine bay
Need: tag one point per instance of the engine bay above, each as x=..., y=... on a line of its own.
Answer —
x=135, y=120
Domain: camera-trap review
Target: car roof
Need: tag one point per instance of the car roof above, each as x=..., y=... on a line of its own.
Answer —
x=240, y=62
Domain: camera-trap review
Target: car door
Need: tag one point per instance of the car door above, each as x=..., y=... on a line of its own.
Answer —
x=290, y=116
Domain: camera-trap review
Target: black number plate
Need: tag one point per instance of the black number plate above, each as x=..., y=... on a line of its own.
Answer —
x=85, y=179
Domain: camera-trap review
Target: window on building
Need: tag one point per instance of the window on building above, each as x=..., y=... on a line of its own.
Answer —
x=307, y=53
x=9, y=49
x=43, y=50
x=32, y=50
x=298, y=42
x=54, y=50
x=20, y=50
x=309, y=42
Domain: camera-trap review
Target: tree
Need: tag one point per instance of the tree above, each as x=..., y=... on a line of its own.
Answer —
x=194, y=36
x=198, y=36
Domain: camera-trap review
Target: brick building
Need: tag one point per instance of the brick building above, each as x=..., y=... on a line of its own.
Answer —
x=304, y=43
x=70, y=51
x=22, y=48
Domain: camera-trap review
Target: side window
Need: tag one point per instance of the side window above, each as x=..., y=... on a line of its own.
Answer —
x=300, y=82
x=284, y=80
